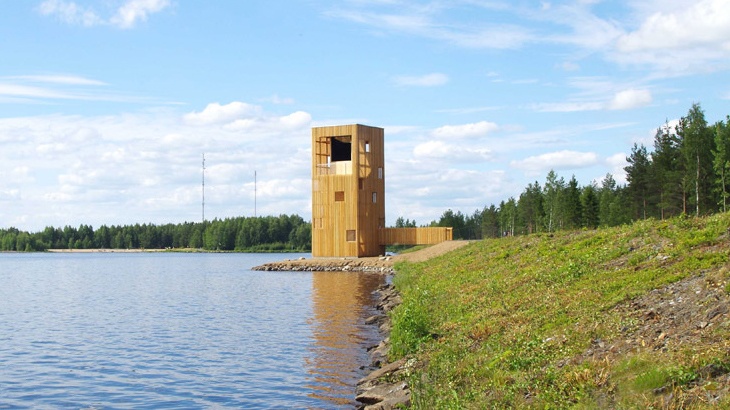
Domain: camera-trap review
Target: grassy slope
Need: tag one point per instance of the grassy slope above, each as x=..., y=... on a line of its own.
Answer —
x=542, y=321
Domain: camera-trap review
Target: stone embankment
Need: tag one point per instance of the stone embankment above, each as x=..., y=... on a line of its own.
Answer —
x=382, y=265
x=383, y=388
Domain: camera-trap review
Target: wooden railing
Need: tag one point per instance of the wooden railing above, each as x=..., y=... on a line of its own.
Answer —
x=415, y=236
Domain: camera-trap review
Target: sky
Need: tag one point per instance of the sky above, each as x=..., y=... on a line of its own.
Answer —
x=107, y=107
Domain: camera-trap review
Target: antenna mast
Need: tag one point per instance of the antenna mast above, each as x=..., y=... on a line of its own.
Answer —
x=203, y=189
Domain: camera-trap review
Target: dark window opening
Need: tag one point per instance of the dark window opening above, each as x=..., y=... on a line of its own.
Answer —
x=351, y=237
x=339, y=196
x=341, y=149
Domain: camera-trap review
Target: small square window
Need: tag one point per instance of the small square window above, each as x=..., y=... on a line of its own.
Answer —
x=339, y=196
x=351, y=237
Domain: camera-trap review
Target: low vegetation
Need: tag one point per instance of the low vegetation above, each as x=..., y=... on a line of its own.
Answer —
x=635, y=316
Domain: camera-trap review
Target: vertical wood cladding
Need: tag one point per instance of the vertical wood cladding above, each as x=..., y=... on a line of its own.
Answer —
x=348, y=195
x=348, y=163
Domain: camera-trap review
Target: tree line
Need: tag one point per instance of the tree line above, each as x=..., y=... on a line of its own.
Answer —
x=258, y=234
x=686, y=173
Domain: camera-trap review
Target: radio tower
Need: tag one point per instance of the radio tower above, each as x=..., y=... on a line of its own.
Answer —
x=203, y=189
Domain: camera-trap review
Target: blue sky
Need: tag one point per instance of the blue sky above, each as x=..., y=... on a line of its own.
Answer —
x=106, y=106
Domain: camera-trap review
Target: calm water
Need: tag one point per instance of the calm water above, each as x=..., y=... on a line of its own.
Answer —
x=162, y=330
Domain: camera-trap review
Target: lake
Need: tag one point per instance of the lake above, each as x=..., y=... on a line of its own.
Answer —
x=179, y=330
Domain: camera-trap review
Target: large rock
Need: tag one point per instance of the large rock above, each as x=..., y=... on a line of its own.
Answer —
x=385, y=396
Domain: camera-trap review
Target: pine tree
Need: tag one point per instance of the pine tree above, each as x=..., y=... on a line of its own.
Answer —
x=639, y=179
x=530, y=207
x=573, y=208
x=591, y=207
x=666, y=171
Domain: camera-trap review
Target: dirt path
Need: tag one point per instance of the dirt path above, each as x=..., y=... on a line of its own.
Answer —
x=430, y=252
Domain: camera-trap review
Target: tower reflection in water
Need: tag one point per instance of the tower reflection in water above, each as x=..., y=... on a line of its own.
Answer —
x=341, y=303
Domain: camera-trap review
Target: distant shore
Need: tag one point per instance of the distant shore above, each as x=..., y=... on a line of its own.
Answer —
x=180, y=250
x=107, y=250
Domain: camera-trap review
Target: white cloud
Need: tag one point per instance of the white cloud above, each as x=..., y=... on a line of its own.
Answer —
x=427, y=80
x=498, y=36
x=420, y=192
x=118, y=169
x=215, y=113
x=684, y=36
x=125, y=16
x=275, y=99
x=568, y=106
x=137, y=10
x=15, y=90
x=58, y=79
x=704, y=23
x=560, y=160
x=263, y=123
x=433, y=23
x=33, y=89
x=439, y=150
x=621, y=100
x=629, y=99
x=478, y=129
x=616, y=164
x=588, y=31
x=9, y=194
x=69, y=12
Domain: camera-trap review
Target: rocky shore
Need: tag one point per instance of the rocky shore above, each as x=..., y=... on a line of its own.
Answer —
x=383, y=388
x=383, y=265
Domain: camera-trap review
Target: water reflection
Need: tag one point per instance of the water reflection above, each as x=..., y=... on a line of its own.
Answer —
x=341, y=303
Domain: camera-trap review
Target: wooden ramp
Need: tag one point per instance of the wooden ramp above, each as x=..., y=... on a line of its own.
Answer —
x=415, y=236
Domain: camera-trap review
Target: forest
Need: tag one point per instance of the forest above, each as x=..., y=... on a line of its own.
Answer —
x=686, y=173
x=285, y=233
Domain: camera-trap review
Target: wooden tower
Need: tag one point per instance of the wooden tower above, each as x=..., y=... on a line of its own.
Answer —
x=348, y=191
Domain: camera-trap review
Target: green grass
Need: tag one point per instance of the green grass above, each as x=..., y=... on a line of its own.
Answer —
x=499, y=323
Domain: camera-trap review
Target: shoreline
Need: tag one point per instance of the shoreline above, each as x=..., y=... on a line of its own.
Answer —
x=149, y=250
x=105, y=250
x=377, y=390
